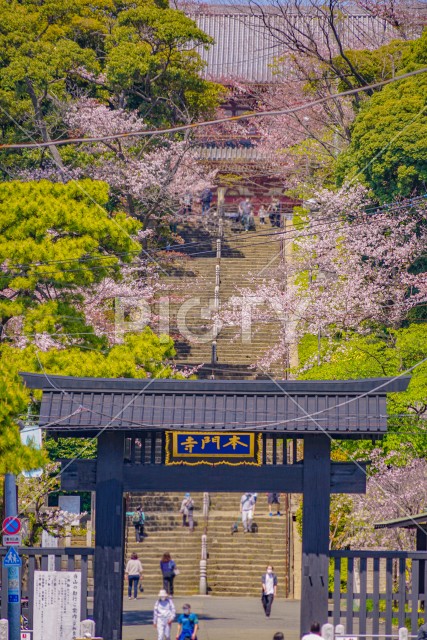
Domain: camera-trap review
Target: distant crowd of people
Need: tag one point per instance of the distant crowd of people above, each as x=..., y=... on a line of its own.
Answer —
x=245, y=214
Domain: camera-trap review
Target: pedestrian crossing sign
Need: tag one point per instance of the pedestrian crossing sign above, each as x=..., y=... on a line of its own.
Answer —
x=12, y=558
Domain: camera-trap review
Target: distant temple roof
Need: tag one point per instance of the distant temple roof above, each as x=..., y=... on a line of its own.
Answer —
x=245, y=47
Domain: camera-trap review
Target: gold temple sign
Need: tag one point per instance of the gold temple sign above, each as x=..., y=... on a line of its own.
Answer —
x=213, y=447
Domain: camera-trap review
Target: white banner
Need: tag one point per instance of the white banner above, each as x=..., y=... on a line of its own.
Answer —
x=56, y=605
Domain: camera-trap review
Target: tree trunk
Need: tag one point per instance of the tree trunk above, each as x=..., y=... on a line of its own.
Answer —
x=42, y=125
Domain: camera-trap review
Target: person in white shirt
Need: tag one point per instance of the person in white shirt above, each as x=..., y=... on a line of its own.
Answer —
x=315, y=632
x=133, y=572
x=247, y=509
x=269, y=589
x=164, y=615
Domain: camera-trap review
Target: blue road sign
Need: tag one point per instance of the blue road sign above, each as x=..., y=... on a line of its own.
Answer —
x=11, y=525
x=13, y=597
x=12, y=558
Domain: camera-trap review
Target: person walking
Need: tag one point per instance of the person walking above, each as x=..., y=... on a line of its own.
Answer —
x=206, y=199
x=245, y=212
x=138, y=521
x=269, y=589
x=133, y=573
x=187, y=202
x=187, y=509
x=188, y=624
x=274, y=212
x=315, y=632
x=163, y=615
x=169, y=571
x=273, y=498
x=247, y=510
x=262, y=214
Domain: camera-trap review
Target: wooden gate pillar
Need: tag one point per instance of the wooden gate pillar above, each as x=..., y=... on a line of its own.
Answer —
x=109, y=539
x=315, y=531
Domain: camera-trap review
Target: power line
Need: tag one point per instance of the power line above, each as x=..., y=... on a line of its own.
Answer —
x=318, y=223
x=196, y=125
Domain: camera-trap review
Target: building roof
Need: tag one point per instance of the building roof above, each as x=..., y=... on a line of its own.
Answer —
x=247, y=37
x=237, y=154
x=407, y=522
x=343, y=407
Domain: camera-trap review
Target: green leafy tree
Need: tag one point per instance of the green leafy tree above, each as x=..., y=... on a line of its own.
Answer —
x=40, y=52
x=142, y=355
x=14, y=456
x=138, y=54
x=56, y=241
x=384, y=353
x=388, y=150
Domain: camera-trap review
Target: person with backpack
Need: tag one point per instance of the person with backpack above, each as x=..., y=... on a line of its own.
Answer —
x=188, y=624
x=138, y=521
x=163, y=615
x=187, y=508
x=169, y=571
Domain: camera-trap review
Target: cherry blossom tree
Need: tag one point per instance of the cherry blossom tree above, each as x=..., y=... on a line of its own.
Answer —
x=150, y=177
x=350, y=269
x=392, y=492
x=407, y=17
x=33, y=495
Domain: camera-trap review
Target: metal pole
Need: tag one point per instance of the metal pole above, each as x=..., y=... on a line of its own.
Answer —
x=13, y=573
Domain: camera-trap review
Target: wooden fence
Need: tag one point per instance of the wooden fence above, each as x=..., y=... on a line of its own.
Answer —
x=37, y=559
x=376, y=591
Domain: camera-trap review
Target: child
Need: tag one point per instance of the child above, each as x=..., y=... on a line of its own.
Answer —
x=188, y=624
x=262, y=213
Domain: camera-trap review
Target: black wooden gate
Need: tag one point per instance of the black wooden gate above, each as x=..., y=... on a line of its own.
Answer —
x=130, y=418
x=376, y=590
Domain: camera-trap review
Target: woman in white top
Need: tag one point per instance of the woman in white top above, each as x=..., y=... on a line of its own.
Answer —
x=133, y=572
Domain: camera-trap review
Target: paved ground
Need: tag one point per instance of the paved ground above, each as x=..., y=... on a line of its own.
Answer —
x=220, y=618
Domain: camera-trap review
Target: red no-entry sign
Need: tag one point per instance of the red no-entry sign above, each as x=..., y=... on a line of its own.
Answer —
x=11, y=525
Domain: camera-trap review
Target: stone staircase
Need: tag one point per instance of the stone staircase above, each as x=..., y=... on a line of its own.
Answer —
x=247, y=259
x=165, y=534
x=235, y=561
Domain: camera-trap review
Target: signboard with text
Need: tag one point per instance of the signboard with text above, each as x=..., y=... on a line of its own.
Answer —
x=12, y=541
x=56, y=605
x=200, y=447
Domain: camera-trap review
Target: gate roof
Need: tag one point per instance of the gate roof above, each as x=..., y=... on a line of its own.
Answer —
x=341, y=407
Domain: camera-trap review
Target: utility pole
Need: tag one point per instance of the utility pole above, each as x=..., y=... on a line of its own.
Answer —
x=13, y=573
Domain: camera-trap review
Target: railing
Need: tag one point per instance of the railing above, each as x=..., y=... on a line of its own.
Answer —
x=38, y=559
x=216, y=322
x=378, y=590
x=203, y=586
x=329, y=632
